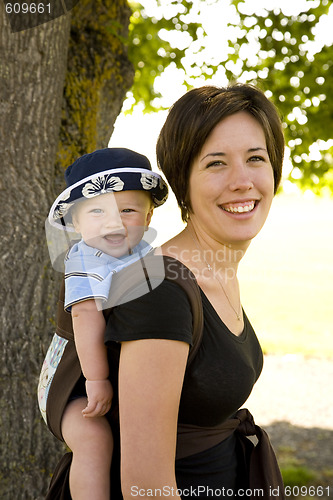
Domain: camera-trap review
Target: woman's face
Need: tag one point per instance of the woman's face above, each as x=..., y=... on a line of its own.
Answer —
x=231, y=184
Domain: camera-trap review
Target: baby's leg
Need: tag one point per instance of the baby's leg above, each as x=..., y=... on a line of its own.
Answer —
x=90, y=440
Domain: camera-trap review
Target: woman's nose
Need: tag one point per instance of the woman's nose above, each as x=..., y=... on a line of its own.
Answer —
x=241, y=179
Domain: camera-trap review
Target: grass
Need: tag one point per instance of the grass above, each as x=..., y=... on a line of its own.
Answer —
x=299, y=480
x=297, y=476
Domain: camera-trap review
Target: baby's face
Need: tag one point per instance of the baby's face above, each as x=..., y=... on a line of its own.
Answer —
x=114, y=222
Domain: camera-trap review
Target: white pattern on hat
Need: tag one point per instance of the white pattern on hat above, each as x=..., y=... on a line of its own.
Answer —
x=148, y=181
x=102, y=185
x=62, y=210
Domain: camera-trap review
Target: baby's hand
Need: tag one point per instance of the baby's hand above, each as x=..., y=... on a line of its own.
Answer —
x=99, y=394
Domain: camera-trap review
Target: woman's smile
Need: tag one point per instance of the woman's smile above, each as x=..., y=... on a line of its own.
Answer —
x=240, y=207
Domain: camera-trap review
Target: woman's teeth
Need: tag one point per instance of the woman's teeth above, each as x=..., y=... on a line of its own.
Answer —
x=240, y=208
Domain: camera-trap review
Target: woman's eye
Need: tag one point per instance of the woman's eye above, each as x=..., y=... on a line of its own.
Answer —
x=216, y=163
x=127, y=210
x=257, y=158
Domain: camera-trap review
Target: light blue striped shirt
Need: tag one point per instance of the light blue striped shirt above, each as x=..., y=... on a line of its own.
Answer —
x=89, y=271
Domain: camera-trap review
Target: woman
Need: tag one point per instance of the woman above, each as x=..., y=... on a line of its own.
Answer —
x=221, y=150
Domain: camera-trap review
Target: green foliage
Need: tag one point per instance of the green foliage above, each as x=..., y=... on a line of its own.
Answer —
x=269, y=48
x=149, y=49
x=284, y=62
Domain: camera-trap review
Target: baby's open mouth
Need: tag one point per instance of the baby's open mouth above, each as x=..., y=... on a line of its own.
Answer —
x=114, y=238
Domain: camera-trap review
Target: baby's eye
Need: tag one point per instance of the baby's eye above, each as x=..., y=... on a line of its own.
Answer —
x=96, y=211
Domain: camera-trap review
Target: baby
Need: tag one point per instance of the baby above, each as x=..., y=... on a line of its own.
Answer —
x=109, y=201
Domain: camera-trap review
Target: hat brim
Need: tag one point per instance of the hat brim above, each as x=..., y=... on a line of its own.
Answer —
x=113, y=180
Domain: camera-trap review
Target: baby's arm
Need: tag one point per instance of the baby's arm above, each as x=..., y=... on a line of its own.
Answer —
x=89, y=327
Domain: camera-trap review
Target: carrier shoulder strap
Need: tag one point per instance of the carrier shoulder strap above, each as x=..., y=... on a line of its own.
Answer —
x=138, y=279
x=177, y=272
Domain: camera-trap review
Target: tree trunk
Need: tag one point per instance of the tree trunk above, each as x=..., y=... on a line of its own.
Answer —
x=33, y=66
x=33, y=109
x=98, y=77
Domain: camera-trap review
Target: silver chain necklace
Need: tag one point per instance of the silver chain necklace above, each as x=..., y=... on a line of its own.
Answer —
x=209, y=267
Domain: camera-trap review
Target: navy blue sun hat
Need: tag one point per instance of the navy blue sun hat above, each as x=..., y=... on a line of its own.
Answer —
x=104, y=171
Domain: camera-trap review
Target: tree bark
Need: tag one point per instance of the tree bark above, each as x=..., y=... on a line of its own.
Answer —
x=35, y=104
x=33, y=66
x=98, y=77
